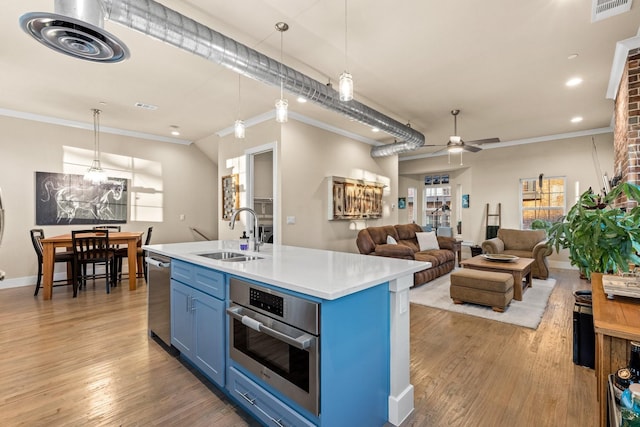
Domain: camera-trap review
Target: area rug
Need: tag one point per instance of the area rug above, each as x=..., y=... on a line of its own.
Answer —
x=527, y=312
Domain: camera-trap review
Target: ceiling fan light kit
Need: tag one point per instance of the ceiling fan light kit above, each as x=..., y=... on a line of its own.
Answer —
x=457, y=145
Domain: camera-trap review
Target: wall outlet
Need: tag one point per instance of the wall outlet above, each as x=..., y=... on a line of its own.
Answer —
x=181, y=217
x=291, y=220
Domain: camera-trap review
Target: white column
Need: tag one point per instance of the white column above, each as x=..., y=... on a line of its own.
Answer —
x=401, y=390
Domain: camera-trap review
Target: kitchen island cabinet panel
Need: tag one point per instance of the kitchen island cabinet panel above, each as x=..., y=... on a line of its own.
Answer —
x=198, y=318
x=355, y=351
x=264, y=406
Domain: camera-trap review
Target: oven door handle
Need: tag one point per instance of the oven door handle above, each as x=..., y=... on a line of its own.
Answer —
x=302, y=342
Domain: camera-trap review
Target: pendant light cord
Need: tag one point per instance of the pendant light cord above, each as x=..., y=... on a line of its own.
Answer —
x=96, y=134
x=281, y=64
x=346, y=61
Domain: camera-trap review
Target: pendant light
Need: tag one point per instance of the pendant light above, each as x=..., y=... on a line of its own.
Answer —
x=238, y=126
x=345, y=86
x=95, y=173
x=281, y=104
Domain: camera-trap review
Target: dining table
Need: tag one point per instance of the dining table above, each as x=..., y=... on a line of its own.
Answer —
x=49, y=245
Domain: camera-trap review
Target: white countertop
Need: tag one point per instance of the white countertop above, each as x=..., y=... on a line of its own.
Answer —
x=319, y=273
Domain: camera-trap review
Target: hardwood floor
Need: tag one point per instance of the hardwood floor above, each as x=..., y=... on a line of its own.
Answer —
x=88, y=361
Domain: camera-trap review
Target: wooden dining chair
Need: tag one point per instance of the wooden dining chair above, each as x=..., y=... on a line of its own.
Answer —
x=37, y=234
x=91, y=247
x=120, y=253
x=142, y=255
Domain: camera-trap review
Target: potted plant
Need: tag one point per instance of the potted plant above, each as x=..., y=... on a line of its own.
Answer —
x=600, y=238
x=540, y=224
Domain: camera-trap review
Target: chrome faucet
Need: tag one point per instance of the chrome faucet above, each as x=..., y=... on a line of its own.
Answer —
x=256, y=240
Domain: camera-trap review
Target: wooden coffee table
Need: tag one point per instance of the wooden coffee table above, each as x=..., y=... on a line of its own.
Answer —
x=520, y=269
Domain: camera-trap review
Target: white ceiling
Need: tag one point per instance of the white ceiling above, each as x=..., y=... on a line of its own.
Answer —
x=503, y=63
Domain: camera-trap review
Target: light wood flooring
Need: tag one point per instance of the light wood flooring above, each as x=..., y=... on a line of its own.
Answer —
x=89, y=362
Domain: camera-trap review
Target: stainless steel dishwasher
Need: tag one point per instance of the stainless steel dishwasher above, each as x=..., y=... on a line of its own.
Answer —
x=159, y=298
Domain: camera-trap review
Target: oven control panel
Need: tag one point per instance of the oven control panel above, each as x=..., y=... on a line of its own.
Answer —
x=298, y=312
x=274, y=304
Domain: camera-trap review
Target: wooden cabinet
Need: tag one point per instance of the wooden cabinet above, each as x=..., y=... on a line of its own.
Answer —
x=616, y=323
x=198, y=318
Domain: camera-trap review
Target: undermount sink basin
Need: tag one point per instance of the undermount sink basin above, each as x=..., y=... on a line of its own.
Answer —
x=230, y=256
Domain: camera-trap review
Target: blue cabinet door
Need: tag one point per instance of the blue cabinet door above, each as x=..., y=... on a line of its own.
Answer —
x=181, y=318
x=209, y=335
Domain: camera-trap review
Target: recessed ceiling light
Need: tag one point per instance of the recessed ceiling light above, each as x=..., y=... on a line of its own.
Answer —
x=572, y=56
x=574, y=81
x=302, y=99
x=576, y=119
x=175, y=130
x=374, y=129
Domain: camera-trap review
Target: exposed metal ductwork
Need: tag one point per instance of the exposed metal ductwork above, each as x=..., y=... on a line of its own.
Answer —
x=153, y=19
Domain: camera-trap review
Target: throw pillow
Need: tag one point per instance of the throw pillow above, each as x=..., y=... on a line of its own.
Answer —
x=427, y=240
x=391, y=241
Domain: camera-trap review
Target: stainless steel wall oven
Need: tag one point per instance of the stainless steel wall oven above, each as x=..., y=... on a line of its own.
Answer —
x=275, y=336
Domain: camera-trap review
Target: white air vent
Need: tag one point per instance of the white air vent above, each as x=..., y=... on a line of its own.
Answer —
x=602, y=9
x=145, y=106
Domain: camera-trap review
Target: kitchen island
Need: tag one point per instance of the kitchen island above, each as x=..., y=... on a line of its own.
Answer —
x=341, y=284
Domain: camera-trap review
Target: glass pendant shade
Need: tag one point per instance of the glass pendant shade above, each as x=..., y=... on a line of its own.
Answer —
x=281, y=110
x=238, y=129
x=95, y=173
x=346, y=87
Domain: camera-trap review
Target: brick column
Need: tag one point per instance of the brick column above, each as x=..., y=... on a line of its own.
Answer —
x=626, y=138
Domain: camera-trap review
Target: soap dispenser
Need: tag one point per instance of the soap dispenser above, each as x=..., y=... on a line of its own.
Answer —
x=244, y=242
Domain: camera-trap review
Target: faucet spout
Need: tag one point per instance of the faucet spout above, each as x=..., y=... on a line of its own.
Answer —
x=234, y=216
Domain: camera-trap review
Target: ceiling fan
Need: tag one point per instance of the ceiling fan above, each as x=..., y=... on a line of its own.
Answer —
x=457, y=145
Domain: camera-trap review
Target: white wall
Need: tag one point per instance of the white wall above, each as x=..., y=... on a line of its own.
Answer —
x=306, y=156
x=188, y=185
x=309, y=155
x=492, y=176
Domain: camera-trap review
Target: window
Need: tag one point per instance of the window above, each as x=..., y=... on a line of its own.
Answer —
x=542, y=199
x=411, y=197
x=145, y=179
x=437, y=206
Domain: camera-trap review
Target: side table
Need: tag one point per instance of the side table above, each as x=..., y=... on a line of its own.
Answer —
x=457, y=248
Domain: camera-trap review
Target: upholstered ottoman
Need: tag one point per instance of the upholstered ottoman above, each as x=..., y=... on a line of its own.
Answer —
x=489, y=288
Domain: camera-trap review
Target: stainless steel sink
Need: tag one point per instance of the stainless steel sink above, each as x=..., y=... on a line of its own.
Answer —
x=230, y=256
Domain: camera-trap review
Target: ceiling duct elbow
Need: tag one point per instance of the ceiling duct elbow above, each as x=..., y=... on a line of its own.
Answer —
x=164, y=24
x=76, y=29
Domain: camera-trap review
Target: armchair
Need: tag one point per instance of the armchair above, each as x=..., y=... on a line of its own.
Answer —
x=524, y=244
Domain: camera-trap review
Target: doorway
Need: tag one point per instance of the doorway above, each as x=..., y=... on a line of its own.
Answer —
x=262, y=189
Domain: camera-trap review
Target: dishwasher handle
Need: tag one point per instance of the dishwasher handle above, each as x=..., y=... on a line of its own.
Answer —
x=157, y=263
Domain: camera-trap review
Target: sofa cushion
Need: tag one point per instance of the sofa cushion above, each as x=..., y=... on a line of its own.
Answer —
x=435, y=256
x=379, y=234
x=395, y=251
x=427, y=241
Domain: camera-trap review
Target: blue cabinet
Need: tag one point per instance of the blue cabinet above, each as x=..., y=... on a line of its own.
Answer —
x=261, y=404
x=198, y=317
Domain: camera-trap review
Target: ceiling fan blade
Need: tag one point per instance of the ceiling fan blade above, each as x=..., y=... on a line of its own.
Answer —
x=471, y=148
x=484, y=141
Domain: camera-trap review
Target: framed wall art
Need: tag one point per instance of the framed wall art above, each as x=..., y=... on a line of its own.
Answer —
x=64, y=199
x=354, y=199
x=230, y=196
